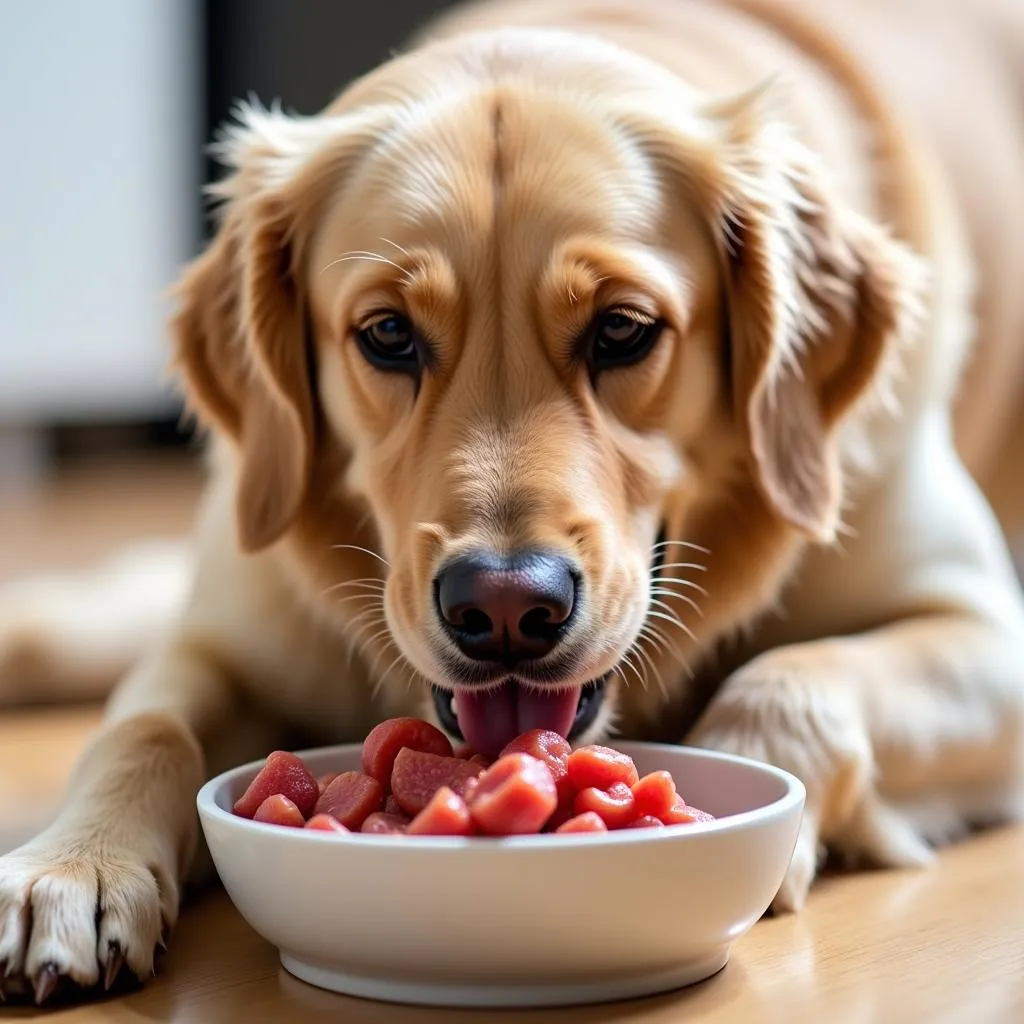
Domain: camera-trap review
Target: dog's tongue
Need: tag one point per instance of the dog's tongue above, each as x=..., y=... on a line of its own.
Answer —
x=490, y=719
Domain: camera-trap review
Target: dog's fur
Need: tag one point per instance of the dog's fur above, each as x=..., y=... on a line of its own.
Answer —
x=804, y=428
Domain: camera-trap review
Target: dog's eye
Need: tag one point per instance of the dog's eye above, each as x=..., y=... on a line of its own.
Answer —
x=622, y=336
x=388, y=341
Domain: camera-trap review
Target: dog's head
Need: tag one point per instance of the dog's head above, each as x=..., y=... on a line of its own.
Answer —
x=551, y=337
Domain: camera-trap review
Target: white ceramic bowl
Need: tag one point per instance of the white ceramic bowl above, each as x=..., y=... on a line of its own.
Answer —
x=525, y=921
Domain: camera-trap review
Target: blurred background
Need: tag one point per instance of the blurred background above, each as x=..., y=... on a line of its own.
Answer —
x=108, y=108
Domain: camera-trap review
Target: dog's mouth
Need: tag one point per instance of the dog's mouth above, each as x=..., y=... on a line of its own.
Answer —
x=489, y=717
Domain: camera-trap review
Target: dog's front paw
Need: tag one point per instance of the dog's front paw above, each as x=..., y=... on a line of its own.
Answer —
x=72, y=909
x=793, y=708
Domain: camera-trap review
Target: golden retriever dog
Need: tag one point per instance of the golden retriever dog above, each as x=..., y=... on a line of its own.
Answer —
x=648, y=369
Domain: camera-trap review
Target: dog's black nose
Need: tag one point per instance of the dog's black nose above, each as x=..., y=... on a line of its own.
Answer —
x=506, y=609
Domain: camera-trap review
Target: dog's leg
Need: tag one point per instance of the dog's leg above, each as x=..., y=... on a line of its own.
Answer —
x=70, y=637
x=101, y=885
x=911, y=731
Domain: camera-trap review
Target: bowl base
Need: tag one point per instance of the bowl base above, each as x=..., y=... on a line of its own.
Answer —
x=447, y=994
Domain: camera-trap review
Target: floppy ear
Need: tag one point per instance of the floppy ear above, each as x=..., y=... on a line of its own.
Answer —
x=820, y=301
x=241, y=332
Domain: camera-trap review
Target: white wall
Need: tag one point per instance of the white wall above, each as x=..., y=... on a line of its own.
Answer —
x=100, y=166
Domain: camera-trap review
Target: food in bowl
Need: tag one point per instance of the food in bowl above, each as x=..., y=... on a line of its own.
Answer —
x=358, y=913
x=413, y=783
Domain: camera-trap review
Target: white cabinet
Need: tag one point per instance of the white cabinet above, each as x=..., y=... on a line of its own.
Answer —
x=100, y=170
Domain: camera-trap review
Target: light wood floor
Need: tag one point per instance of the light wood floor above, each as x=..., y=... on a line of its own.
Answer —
x=83, y=513
x=935, y=946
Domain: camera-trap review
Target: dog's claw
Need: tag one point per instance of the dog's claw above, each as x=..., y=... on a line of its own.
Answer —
x=114, y=965
x=46, y=983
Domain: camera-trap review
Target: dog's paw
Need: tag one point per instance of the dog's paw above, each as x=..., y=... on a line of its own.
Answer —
x=808, y=856
x=792, y=708
x=72, y=911
x=882, y=836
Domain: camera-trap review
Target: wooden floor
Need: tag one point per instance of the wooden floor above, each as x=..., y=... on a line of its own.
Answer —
x=81, y=514
x=940, y=945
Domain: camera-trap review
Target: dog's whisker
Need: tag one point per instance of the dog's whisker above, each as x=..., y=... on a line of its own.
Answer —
x=366, y=595
x=361, y=591
x=676, y=596
x=380, y=679
x=683, y=565
x=386, y=631
x=363, y=520
x=362, y=615
x=353, y=642
x=666, y=610
x=680, y=543
x=376, y=661
x=367, y=592
x=635, y=648
x=678, y=581
x=414, y=673
x=359, y=597
x=359, y=642
x=659, y=649
x=365, y=641
x=675, y=622
x=673, y=578
x=661, y=632
x=655, y=636
x=350, y=649
x=659, y=642
x=373, y=615
x=654, y=668
x=369, y=595
x=365, y=551
x=361, y=588
x=376, y=610
x=629, y=663
x=379, y=619
x=366, y=583
x=665, y=607
x=404, y=252
x=369, y=257
x=388, y=645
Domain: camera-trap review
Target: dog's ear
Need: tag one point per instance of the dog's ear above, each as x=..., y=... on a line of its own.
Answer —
x=242, y=354
x=241, y=328
x=819, y=301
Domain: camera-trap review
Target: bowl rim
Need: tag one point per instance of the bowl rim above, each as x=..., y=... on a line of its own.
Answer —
x=792, y=797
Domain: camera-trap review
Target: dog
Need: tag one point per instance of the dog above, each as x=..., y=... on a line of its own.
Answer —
x=645, y=369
